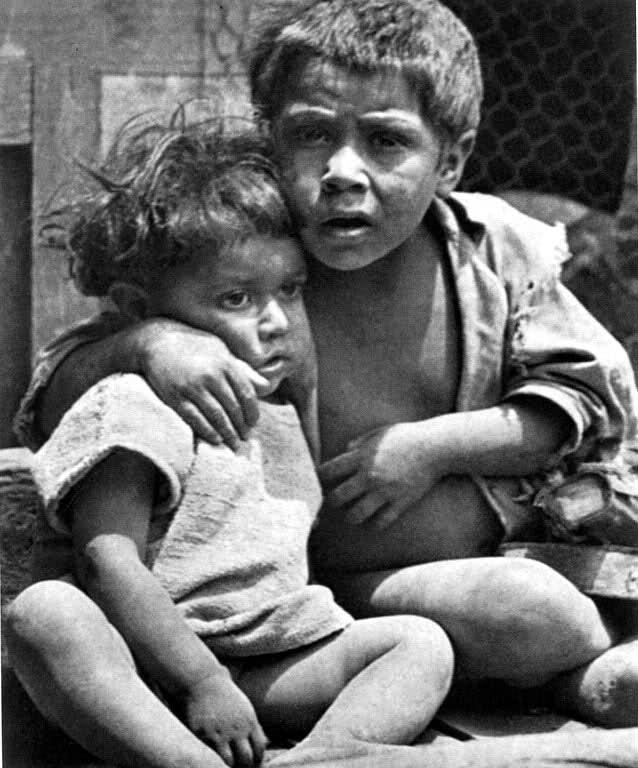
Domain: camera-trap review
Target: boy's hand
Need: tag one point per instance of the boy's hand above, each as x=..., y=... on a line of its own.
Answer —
x=195, y=374
x=222, y=716
x=381, y=474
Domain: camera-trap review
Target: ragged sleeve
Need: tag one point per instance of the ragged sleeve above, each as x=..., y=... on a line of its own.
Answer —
x=46, y=362
x=555, y=349
x=119, y=412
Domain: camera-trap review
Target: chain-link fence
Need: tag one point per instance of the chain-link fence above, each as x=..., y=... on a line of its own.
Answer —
x=559, y=91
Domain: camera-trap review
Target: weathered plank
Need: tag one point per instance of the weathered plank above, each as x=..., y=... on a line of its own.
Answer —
x=15, y=285
x=603, y=571
x=18, y=508
x=15, y=100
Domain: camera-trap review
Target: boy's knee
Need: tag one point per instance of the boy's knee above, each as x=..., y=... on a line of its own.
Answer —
x=614, y=697
x=604, y=692
x=529, y=592
x=550, y=624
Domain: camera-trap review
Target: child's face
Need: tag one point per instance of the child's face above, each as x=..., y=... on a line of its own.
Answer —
x=250, y=296
x=359, y=162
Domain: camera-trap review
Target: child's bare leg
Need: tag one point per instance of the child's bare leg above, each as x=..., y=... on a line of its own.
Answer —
x=379, y=681
x=82, y=677
x=510, y=619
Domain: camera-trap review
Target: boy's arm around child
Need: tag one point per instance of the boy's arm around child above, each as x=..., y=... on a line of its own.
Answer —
x=528, y=346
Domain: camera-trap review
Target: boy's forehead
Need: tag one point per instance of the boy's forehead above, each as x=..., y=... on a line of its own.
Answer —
x=325, y=84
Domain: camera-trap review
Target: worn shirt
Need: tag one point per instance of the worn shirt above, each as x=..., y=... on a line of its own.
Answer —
x=523, y=332
x=229, y=530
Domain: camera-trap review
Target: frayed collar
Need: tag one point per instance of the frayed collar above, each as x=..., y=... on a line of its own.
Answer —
x=452, y=216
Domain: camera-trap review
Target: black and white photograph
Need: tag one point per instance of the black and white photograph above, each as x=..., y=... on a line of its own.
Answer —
x=318, y=403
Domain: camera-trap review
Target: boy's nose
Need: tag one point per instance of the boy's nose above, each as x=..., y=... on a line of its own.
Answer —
x=344, y=171
x=273, y=321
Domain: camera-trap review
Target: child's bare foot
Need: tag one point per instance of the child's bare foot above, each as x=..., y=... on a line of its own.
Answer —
x=604, y=691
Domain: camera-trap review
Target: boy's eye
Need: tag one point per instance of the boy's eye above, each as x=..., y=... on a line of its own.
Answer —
x=388, y=141
x=235, y=300
x=292, y=290
x=311, y=135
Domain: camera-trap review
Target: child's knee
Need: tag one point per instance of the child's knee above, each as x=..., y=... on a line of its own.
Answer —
x=428, y=644
x=42, y=614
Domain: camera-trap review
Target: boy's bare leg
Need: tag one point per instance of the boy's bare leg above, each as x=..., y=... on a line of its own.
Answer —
x=82, y=677
x=379, y=681
x=509, y=619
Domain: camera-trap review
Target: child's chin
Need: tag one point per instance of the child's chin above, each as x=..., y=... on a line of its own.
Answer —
x=271, y=387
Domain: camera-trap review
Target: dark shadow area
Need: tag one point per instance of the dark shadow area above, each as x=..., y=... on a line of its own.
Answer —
x=15, y=285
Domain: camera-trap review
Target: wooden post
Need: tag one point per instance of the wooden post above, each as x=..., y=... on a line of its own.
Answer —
x=15, y=228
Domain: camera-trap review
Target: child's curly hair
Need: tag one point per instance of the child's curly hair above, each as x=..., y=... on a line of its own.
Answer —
x=163, y=191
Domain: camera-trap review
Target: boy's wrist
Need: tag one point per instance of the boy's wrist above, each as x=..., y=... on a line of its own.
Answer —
x=446, y=446
x=132, y=347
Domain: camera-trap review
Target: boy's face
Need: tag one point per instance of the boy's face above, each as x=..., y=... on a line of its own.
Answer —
x=250, y=296
x=359, y=162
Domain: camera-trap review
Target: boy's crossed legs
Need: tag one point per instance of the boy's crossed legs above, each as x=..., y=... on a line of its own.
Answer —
x=511, y=619
x=378, y=681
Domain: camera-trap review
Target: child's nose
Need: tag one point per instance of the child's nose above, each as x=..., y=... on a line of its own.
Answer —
x=273, y=321
x=344, y=171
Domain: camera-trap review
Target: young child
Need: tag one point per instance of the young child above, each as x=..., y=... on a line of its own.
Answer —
x=195, y=555
x=454, y=368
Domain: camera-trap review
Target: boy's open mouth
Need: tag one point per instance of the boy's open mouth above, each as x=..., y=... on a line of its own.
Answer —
x=346, y=224
x=273, y=365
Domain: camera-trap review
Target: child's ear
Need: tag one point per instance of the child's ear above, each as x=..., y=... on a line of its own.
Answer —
x=132, y=300
x=453, y=159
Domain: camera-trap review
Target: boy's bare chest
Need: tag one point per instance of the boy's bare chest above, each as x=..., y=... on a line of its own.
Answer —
x=385, y=362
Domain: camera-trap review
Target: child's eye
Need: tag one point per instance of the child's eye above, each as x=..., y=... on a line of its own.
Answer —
x=235, y=300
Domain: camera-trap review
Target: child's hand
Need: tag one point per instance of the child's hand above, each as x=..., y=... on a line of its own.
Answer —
x=381, y=474
x=195, y=374
x=222, y=716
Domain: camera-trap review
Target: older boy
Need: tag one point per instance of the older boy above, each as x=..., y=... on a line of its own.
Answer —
x=448, y=350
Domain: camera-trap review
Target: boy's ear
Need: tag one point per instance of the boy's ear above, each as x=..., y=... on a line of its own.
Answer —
x=132, y=300
x=453, y=159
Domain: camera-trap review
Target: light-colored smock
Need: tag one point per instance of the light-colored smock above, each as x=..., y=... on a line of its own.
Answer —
x=229, y=530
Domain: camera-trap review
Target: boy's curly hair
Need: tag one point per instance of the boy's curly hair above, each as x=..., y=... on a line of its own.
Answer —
x=422, y=39
x=163, y=191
